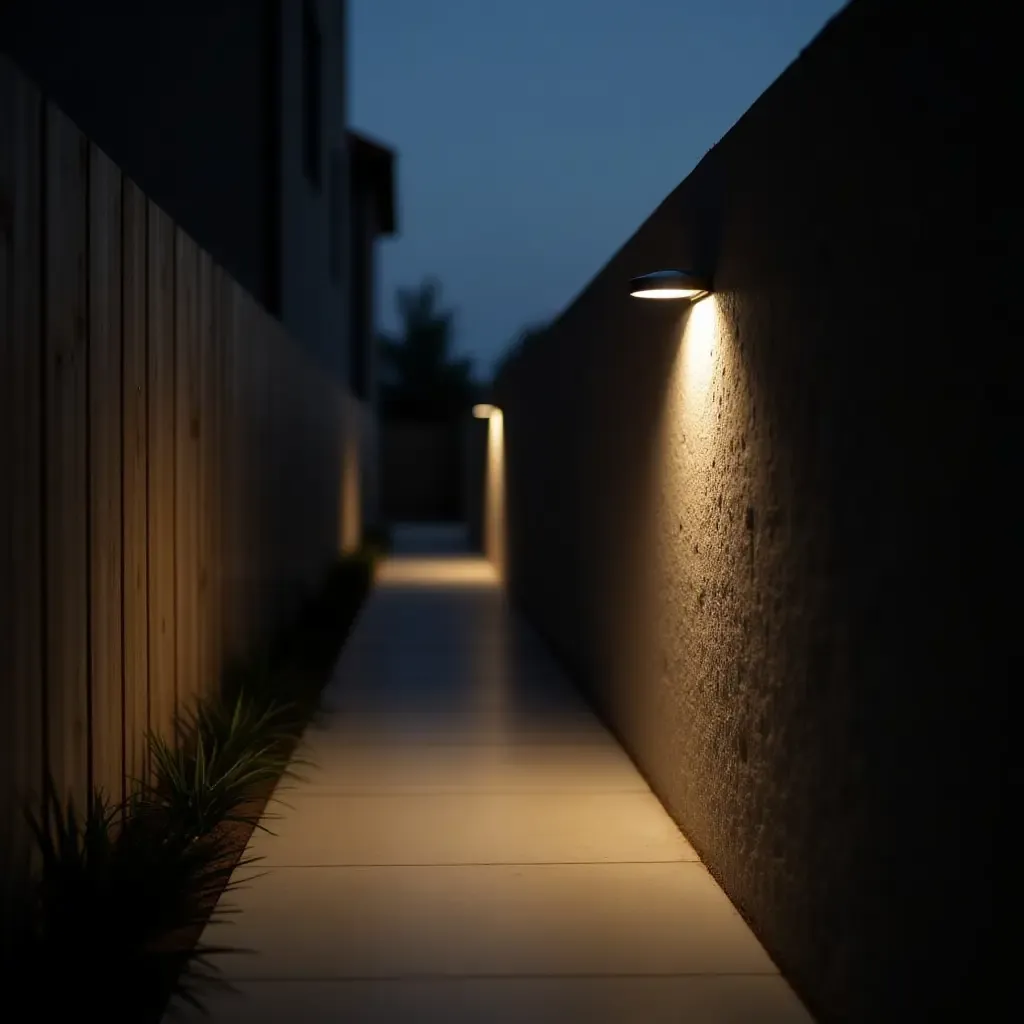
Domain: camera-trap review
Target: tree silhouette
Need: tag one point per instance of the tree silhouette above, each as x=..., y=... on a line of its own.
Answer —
x=421, y=377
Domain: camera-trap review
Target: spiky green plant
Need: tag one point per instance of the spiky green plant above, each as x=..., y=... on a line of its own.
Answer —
x=243, y=724
x=196, y=788
x=116, y=902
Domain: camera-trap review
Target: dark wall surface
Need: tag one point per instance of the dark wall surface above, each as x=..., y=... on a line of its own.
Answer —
x=180, y=95
x=773, y=533
x=474, y=480
x=420, y=471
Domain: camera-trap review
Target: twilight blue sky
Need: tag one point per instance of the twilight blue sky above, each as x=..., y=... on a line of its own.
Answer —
x=528, y=146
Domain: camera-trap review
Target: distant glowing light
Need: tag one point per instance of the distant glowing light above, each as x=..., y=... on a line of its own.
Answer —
x=484, y=411
x=669, y=284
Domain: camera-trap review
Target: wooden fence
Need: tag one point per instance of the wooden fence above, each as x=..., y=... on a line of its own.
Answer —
x=169, y=463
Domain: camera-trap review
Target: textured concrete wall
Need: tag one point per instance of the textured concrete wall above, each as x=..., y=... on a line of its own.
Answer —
x=773, y=533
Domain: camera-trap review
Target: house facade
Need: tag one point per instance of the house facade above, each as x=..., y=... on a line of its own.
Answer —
x=232, y=116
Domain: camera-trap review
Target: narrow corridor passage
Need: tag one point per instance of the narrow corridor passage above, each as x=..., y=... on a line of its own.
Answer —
x=473, y=846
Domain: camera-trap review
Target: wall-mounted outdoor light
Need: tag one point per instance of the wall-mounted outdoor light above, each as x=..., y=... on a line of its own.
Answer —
x=484, y=411
x=670, y=284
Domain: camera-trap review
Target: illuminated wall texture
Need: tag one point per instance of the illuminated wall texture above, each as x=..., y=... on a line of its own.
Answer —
x=772, y=534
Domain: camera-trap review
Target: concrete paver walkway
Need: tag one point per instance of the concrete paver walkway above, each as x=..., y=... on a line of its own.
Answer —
x=473, y=846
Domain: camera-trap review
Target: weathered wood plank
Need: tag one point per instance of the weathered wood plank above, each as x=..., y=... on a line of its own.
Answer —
x=234, y=478
x=259, y=463
x=205, y=482
x=160, y=400
x=135, y=579
x=221, y=284
x=65, y=456
x=214, y=480
x=105, y=522
x=250, y=513
x=21, y=559
x=187, y=440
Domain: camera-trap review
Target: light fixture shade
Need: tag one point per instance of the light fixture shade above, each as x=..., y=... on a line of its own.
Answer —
x=484, y=411
x=669, y=284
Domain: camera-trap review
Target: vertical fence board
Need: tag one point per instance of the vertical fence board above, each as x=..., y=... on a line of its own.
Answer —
x=235, y=521
x=258, y=461
x=244, y=520
x=204, y=482
x=21, y=560
x=228, y=476
x=187, y=440
x=214, y=482
x=105, y=525
x=65, y=456
x=233, y=470
x=222, y=324
x=253, y=408
x=246, y=362
x=160, y=400
x=267, y=397
x=135, y=579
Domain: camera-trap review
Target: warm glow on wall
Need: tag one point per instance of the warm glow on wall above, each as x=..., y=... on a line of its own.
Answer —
x=484, y=411
x=494, y=494
x=699, y=352
x=350, y=500
x=696, y=545
x=698, y=465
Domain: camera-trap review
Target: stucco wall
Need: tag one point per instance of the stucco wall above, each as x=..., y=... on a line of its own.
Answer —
x=773, y=534
x=177, y=94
